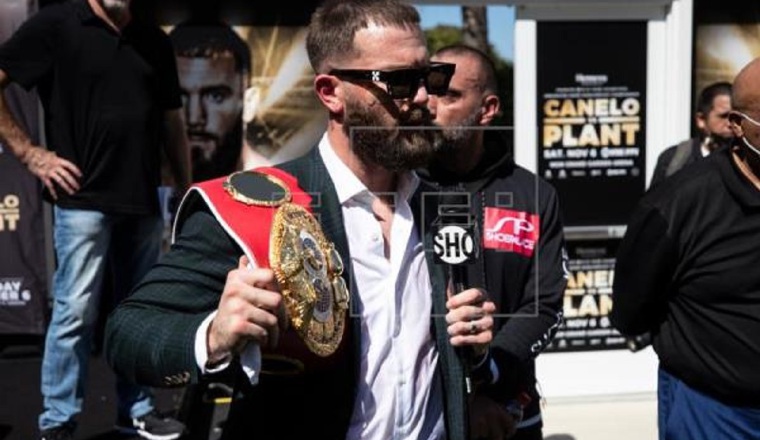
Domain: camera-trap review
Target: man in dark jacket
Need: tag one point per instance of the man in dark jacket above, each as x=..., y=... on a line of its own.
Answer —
x=714, y=132
x=213, y=301
x=687, y=272
x=519, y=218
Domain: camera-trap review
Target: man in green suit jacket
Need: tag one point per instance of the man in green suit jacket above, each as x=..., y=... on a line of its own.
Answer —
x=206, y=308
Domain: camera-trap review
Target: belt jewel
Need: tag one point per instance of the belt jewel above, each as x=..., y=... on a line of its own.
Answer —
x=308, y=270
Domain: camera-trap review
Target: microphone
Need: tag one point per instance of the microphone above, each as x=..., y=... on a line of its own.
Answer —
x=455, y=244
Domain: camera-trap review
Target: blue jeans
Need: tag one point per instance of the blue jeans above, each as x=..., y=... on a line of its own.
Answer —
x=687, y=414
x=84, y=242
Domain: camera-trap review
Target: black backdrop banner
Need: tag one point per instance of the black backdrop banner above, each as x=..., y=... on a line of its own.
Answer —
x=23, y=273
x=591, y=84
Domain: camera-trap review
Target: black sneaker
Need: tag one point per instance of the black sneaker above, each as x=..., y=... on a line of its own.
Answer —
x=152, y=426
x=63, y=432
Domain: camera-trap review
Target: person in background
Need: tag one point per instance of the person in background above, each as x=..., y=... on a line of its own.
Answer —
x=714, y=132
x=108, y=86
x=686, y=272
x=213, y=64
x=521, y=263
x=212, y=303
x=711, y=118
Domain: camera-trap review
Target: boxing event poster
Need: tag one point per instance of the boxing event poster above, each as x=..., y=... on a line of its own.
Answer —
x=23, y=269
x=591, y=85
x=588, y=298
x=282, y=115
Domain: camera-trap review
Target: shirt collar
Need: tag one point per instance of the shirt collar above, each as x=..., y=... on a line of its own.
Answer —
x=348, y=186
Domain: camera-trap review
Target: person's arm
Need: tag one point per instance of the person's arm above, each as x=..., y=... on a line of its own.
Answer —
x=46, y=165
x=25, y=59
x=522, y=338
x=150, y=337
x=177, y=150
x=644, y=268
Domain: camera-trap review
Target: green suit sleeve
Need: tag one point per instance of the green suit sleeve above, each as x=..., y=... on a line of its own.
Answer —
x=150, y=336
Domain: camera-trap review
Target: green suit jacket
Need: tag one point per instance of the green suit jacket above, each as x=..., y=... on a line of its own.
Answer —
x=150, y=336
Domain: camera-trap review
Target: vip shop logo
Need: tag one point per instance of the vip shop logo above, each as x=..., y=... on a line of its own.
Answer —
x=511, y=231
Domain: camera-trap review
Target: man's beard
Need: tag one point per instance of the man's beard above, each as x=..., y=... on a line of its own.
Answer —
x=406, y=146
x=459, y=137
x=720, y=141
x=223, y=161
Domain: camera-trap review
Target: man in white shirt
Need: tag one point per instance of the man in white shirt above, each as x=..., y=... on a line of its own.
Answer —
x=205, y=307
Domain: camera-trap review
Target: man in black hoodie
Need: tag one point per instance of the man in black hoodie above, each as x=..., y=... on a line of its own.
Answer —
x=518, y=215
x=687, y=272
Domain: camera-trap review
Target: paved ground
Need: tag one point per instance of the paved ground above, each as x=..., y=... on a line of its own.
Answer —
x=623, y=417
x=20, y=400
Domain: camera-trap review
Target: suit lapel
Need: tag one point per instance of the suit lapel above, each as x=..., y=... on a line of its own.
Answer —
x=450, y=368
x=314, y=179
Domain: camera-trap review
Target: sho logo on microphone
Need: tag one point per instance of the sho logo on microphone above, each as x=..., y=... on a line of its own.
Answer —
x=454, y=244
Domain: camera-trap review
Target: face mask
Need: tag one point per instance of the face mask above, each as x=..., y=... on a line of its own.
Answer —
x=750, y=146
x=744, y=138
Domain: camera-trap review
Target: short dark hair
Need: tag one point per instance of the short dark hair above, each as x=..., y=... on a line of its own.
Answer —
x=708, y=94
x=204, y=40
x=334, y=25
x=486, y=63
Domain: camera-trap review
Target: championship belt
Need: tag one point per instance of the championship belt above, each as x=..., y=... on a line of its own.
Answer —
x=305, y=263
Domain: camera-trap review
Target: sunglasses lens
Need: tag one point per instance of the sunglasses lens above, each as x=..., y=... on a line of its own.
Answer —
x=403, y=84
x=438, y=78
x=401, y=91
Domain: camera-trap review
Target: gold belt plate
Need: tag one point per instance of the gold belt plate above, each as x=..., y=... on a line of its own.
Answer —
x=308, y=270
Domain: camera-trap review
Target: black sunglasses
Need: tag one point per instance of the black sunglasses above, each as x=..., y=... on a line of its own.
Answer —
x=403, y=83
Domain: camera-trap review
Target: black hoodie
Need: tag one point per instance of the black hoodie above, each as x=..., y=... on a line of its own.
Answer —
x=518, y=217
x=688, y=270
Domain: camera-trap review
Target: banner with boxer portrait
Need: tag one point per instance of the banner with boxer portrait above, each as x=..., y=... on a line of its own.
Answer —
x=727, y=37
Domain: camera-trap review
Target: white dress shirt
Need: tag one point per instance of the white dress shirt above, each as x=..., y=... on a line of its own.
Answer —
x=399, y=393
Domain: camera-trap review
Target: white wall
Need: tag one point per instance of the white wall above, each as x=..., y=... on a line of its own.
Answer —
x=668, y=111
